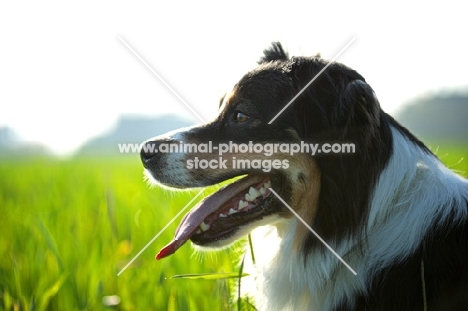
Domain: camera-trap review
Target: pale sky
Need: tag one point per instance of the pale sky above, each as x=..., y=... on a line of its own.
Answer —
x=65, y=76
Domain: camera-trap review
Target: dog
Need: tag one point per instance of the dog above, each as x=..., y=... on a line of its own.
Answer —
x=390, y=209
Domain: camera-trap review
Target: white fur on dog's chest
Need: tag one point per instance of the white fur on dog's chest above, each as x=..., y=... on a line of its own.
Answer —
x=278, y=279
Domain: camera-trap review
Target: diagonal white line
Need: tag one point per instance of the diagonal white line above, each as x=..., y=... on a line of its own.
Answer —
x=161, y=79
x=159, y=233
x=312, y=230
x=310, y=82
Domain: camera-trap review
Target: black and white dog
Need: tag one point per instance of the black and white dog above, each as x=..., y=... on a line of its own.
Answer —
x=391, y=210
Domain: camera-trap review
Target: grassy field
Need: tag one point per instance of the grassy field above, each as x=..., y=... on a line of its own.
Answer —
x=69, y=226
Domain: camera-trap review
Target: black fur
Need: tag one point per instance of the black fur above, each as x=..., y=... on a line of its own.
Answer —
x=275, y=52
x=438, y=267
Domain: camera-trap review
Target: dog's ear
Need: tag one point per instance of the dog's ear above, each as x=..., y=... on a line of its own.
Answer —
x=274, y=52
x=357, y=106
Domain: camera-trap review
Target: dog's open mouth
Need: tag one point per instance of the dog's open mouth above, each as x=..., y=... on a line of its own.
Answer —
x=220, y=215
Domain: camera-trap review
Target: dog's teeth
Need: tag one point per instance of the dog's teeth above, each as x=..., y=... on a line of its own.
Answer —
x=242, y=204
x=248, y=198
x=232, y=211
x=198, y=231
x=253, y=193
x=267, y=184
x=222, y=215
x=204, y=227
x=262, y=190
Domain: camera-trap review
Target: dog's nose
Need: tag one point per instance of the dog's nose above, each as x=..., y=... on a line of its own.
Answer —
x=148, y=150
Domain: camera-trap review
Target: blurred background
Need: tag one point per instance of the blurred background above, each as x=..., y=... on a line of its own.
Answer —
x=76, y=210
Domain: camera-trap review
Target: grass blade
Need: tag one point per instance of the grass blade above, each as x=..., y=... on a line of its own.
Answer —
x=251, y=249
x=51, y=292
x=210, y=276
x=241, y=269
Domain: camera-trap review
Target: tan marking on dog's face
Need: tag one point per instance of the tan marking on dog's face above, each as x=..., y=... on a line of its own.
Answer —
x=228, y=98
x=304, y=175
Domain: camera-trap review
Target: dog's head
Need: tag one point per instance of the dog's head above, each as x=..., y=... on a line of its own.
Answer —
x=274, y=106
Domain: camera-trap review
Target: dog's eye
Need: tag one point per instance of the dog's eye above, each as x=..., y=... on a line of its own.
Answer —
x=241, y=117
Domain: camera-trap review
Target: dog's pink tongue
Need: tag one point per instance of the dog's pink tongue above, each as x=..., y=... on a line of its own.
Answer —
x=184, y=231
x=195, y=217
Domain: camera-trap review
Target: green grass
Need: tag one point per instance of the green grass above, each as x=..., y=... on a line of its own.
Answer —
x=69, y=226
